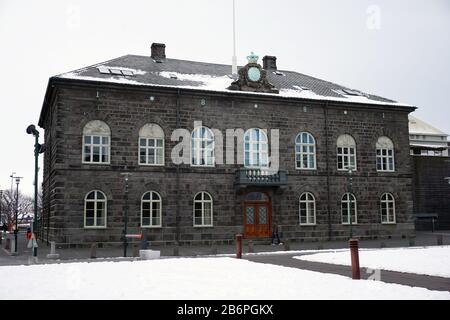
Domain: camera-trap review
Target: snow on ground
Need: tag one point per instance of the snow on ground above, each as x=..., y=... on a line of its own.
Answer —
x=192, y=278
x=434, y=261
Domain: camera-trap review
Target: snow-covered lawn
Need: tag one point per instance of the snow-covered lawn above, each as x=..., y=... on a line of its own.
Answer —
x=434, y=261
x=191, y=278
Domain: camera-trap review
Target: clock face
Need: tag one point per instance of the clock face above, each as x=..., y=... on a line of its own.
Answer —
x=254, y=74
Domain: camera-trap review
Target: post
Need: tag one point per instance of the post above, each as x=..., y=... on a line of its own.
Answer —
x=353, y=244
x=16, y=214
x=239, y=246
x=125, y=223
x=36, y=164
x=350, y=198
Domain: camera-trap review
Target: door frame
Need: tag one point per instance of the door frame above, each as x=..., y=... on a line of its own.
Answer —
x=257, y=203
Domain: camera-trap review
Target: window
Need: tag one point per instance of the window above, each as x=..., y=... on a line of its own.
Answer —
x=202, y=147
x=348, y=208
x=305, y=151
x=203, y=210
x=256, y=148
x=307, y=209
x=346, y=152
x=151, y=209
x=387, y=208
x=96, y=142
x=151, y=145
x=95, y=210
x=385, y=154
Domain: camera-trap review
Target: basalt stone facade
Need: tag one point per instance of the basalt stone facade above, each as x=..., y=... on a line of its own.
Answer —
x=71, y=103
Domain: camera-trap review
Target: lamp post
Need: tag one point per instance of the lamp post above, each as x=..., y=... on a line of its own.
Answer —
x=1, y=206
x=38, y=148
x=16, y=230
x=350, y=198
x=125, y=218
x=12, y=181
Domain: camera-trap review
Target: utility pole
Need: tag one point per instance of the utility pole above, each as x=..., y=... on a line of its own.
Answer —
x=1, y=206
x=125, y=222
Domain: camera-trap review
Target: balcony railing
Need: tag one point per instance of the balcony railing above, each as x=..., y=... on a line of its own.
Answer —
x=260, y=177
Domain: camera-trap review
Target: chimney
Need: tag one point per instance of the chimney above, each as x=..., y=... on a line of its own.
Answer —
x=158, y=51
x=270, y=62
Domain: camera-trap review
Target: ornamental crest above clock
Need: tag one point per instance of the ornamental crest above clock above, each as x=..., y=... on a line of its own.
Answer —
x=252, y=77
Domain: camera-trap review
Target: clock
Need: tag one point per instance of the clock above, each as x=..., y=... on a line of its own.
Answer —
x=254, y=74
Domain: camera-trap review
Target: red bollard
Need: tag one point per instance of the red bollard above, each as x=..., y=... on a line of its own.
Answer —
x=239, y=246
x=353, y=243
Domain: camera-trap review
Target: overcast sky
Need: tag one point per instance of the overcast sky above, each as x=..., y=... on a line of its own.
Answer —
x=398, y=49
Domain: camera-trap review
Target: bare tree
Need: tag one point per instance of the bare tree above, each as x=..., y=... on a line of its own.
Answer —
x=8, y=203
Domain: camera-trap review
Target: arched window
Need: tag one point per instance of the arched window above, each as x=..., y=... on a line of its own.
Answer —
x=151, y=145
x=151, y=209
x=96, y=142
x=95, y=210
x=307, y=209
x=387, y=208
x=202, y=147
x=385, y=154
x=305, y=151
x=203, y=210
x=256, y=148
x=349, y=209
x=346, y=152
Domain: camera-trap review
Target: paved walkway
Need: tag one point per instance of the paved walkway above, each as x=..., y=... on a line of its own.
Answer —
x=408, y=279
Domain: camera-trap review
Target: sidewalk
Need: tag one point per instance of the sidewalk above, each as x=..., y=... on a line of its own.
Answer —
x=116, y=253
x=408, y=279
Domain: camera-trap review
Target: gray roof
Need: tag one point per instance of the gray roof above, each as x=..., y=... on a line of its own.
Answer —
x=155, y=73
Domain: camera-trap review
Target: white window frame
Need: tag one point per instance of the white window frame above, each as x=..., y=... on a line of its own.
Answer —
x=346, y=143
x=100, y=129
x=310, y=199
x=256, y=147
x=386, y=200
x=96, y=200
x=348, y=201
x=384, y=145
x=202, y=153
x=151, y=131
x=203, y=201
x=151, y=202
x=301, y=153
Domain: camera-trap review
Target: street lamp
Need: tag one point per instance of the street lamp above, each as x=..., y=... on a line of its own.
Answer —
x=38, y=148
x=16, y=230
x=1, y=206
x=350, y=197
x=12, y=181
x=125, y=225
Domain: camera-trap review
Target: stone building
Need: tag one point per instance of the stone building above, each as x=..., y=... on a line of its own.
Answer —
x=122, y=116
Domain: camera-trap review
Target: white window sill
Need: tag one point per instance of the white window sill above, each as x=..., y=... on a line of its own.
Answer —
x=203, y=226
x=348, y=224
x=151, y=227
x=308, y=224
x=97, y=163
x=388, y=222
x=94, y=228
x=151, y=165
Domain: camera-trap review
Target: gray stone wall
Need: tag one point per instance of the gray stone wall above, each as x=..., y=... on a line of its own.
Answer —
x=67, y=180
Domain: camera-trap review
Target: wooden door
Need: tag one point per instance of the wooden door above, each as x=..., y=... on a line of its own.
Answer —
x=257, y=219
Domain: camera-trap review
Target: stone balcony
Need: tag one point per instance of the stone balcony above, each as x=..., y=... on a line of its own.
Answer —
x=260, y=177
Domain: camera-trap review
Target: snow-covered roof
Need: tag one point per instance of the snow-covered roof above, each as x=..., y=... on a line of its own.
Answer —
x=144, y=71
x=417, y=126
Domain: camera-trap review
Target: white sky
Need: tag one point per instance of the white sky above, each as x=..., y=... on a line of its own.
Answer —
x=403, y=55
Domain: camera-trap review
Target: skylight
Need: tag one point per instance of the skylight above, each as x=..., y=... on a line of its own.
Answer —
x=116, y=71
x=278, y=73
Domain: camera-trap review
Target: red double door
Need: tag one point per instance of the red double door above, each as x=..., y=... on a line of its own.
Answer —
x=257, y=219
